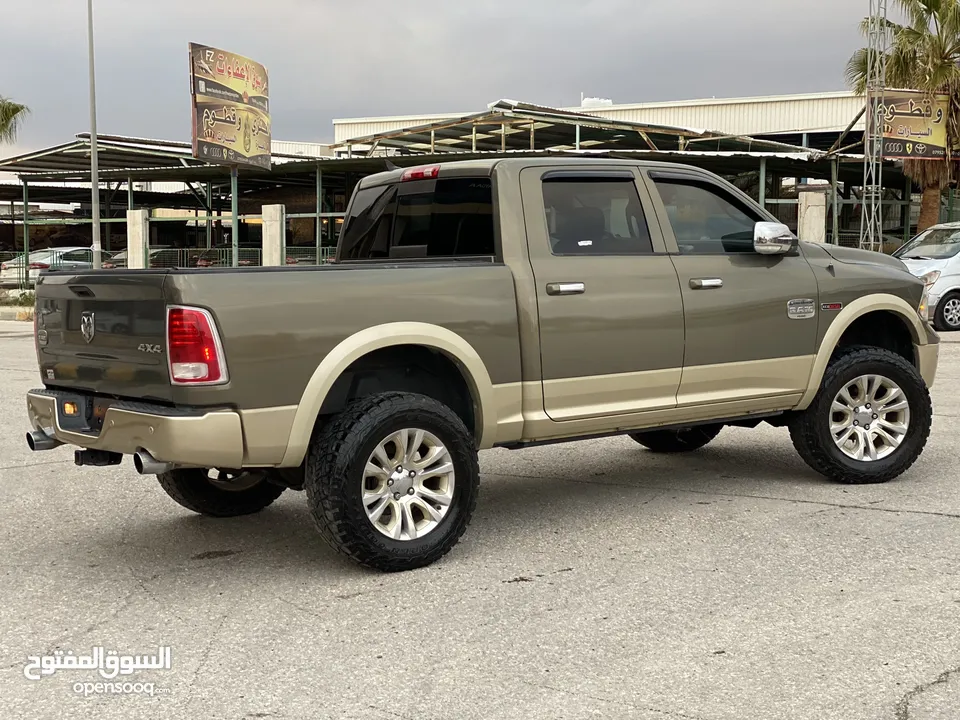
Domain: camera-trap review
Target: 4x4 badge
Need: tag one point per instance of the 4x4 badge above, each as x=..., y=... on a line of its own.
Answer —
x=801, y=309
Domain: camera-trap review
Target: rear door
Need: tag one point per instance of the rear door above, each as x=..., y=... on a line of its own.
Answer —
x=750, y=319
x=608, y=298
x=104, y=332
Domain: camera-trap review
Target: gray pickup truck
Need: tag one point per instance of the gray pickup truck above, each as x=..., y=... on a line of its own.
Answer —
x=481, y=304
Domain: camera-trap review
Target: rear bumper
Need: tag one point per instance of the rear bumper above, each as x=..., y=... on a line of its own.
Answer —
x=193, y=437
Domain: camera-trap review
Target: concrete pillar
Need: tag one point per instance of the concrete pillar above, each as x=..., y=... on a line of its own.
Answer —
x=812, y=221
x=138, y=238
x=274, y=235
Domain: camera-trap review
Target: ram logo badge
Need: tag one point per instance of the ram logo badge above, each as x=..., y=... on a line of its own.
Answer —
x=801, y=309
x=87, y=326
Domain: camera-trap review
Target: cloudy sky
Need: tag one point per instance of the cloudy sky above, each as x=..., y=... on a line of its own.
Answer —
x=345, y=58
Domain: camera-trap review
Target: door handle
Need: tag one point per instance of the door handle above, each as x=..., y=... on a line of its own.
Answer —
x=706, y=283
x=566, y=288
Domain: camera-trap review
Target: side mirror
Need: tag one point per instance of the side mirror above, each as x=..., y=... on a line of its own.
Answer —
x=770, y=238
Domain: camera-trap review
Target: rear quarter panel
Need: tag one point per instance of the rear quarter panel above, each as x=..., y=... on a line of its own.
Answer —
x=277, y=325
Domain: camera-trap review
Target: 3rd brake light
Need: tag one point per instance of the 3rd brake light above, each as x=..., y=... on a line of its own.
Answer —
x=194, y=352
x=426, y=172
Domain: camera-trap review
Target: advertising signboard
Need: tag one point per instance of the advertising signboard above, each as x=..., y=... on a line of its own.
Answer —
x=914, y=124
x=231, y=108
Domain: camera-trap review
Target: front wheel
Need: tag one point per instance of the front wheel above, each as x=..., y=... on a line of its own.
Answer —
x=947, y=316
x=392, y=481
x=221, y=493
x=677, y=441
x=870, y=420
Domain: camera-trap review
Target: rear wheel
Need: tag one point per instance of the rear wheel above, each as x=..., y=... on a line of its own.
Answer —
x=870, y=420
x=677, y=441
x=221, y=493
x=947, y=317
x=392, y=481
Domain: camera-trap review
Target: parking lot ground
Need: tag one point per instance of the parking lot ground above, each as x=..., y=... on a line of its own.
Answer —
x=597, y=580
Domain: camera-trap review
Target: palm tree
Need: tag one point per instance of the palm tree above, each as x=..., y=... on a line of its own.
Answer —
x=924, y=55
x=11, y=116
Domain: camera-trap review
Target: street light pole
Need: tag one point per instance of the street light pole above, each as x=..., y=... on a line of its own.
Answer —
x=94, y=169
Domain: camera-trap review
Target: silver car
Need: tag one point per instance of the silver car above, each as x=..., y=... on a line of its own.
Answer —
x=933, y=257
x=12, y=272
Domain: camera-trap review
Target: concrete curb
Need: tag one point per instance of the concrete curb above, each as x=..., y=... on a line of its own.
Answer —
x=16, y=313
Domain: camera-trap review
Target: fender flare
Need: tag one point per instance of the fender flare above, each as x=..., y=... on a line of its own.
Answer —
x=845, y=318
x=383, y=336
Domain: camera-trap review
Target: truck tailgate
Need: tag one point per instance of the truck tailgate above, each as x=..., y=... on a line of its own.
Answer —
x=104, y=332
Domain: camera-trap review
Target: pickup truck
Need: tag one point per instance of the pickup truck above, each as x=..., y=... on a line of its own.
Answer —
x=480, y=304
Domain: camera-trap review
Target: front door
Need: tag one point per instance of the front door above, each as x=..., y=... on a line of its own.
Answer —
x=750, y=319
x=610, y=314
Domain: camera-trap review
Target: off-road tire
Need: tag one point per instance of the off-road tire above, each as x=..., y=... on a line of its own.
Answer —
x=939, y=319
x=333, y=479
x=192, y=489
x=677, y=441
x=810, y=429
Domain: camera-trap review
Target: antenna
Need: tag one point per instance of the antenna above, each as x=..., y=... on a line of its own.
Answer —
x=871, y=220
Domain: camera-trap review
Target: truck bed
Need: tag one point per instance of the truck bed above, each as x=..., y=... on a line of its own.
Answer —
x=276, y=324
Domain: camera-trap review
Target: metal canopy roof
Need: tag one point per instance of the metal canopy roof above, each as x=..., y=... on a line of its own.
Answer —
x=118, y=156
x=65, y=195
x=510, y=125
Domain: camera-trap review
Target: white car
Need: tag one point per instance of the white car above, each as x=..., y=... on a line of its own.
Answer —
x=933, y=257
x=67, y=258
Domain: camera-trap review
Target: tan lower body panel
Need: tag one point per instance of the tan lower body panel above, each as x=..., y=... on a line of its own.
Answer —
x=533, y=424
x=704, y=384
x=927, y=358
x=605, y=395
x=214, y=439
x=266, y=433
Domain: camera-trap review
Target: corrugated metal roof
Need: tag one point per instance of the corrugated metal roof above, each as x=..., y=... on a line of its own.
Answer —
x=754, y=115
x=513, y=125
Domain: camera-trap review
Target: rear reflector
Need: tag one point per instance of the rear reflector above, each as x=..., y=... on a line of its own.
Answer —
x=425, y=172
x=39, y=266
x=194, y=351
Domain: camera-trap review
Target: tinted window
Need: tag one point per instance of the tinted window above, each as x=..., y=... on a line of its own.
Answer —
x=601, y=216
x=77, y=256
x=705, y=219
x=449, y=217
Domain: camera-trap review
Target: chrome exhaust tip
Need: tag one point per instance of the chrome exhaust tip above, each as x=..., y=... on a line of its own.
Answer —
x=147, y=464
x=38, y=440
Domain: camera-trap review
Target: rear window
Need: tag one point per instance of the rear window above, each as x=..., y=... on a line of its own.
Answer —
x=442, y=218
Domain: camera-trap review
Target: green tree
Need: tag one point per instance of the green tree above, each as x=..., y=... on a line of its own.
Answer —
x=923, y=54
x=11, y=117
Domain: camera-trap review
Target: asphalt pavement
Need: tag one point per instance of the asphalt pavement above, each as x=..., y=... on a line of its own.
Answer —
x=596, y=580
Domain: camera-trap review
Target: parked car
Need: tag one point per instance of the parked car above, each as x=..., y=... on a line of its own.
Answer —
x=479, y=304
x=159, y=257
x=934, y=257
x=61, y=258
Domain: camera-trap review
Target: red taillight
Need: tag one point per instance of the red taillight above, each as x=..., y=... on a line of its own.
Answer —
x=3, y=266
x=193, y=348
x=425, y=172
x=39, y=266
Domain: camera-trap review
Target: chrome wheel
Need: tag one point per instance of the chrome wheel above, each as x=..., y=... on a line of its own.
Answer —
x=869, y=418
x=951, y=312
x=234, y=481
x=408, y=484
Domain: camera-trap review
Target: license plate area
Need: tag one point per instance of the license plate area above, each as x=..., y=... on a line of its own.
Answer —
x=80, y=413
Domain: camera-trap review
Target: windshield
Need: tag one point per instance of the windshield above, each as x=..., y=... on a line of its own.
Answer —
x=936, y=244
